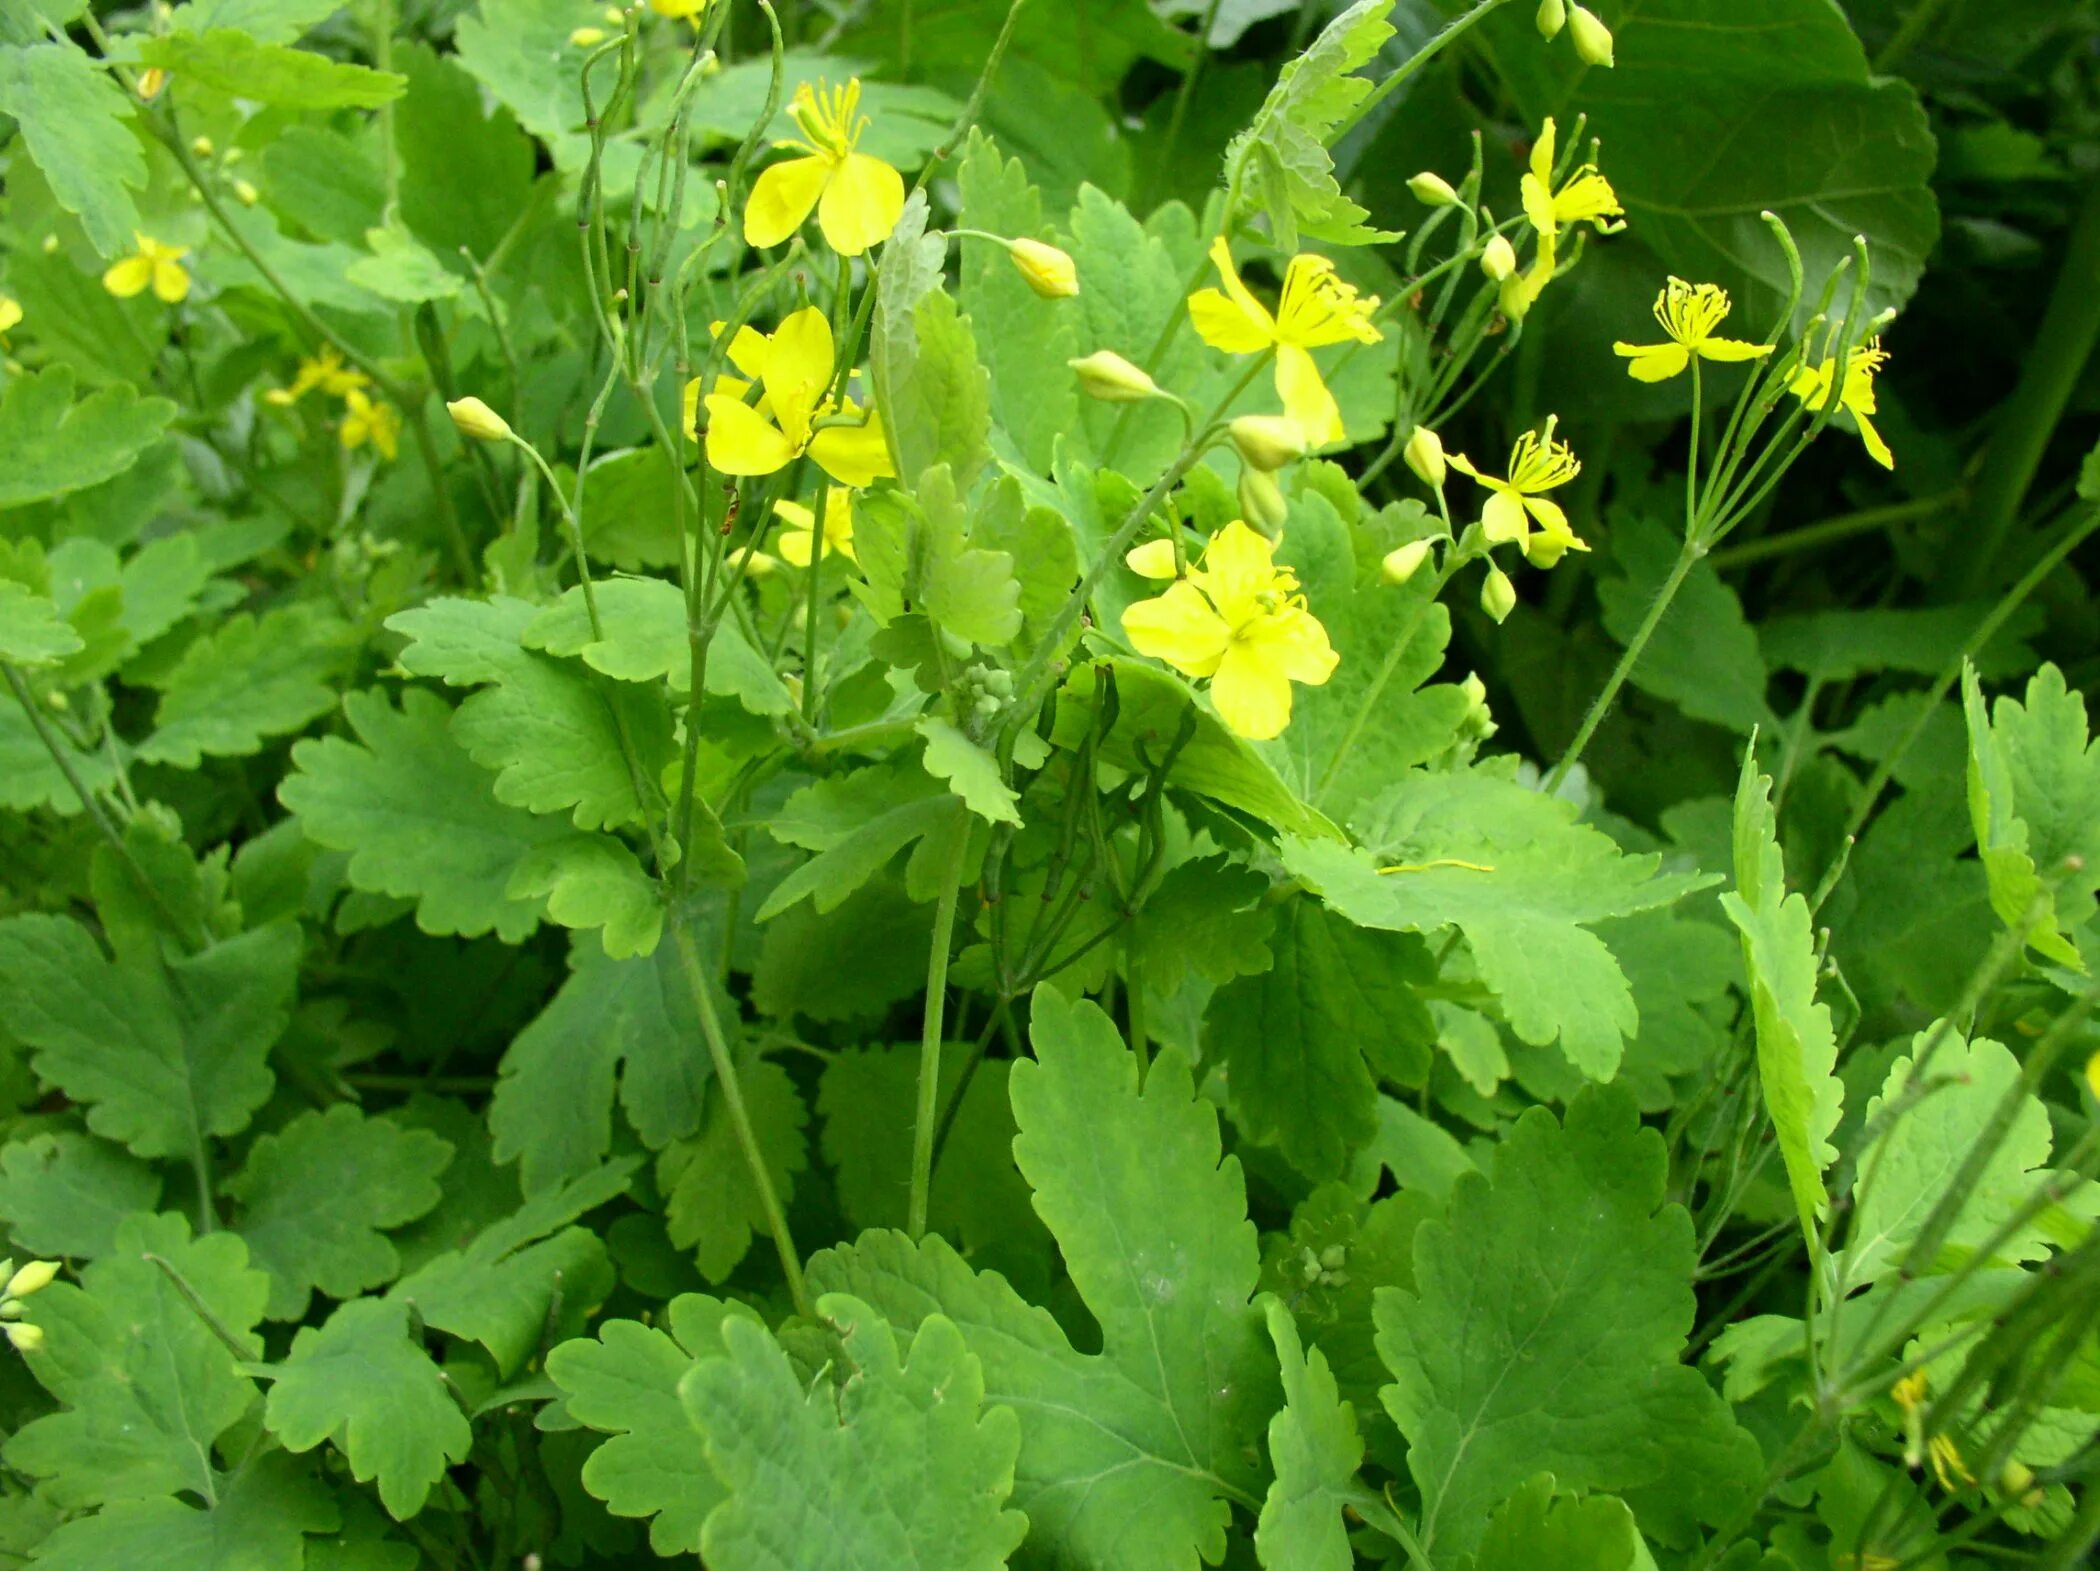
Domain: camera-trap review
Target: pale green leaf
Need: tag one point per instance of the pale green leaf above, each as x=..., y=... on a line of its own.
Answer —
x=401, y=268
x=226, y=60
x=76, y=123
x=1315, y=1450
x=595, y=883
x=645, y=640
x=1703, y=655
x=970, y=770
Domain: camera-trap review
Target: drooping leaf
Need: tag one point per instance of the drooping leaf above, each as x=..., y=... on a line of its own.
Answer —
x=55, y=445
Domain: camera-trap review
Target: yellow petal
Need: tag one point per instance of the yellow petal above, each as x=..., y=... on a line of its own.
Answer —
x=1295, y=641
x=689, y=402
x=1223, y=325
x=1252, y=695
x=1464, y=466
x=856, y=456
x=1153, y=559
x=793, y=545
x=128, y=277
x=1178, y=627
x=1654, y=362
x=1239, y=567
x=1504, y=518
x=797, y=370
x=781, y=198
x=1550, y=516
x=740, y=442
x=861, y=204
x=1731, y=349
x=747, y=350
x=1305, y=396
x=1876, y=447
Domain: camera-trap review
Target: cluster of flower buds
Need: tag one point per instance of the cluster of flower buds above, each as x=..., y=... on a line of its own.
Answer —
x=1265, y=443
x=32, y=1279
x=1592, y=39
x=981, y=693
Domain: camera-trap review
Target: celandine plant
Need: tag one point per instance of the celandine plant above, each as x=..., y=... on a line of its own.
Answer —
x=866, y=785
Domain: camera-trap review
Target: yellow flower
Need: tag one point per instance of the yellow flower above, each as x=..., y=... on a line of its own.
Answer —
x=1811, y=384
x=325, y=371
x=1537, y=464
x=1317, y=308
x=1689, y=313
x=10, y=314
x=858, y=198
x=793, y=370
x=1240, y=621
x=364, y=421
x=1585, y=197
x=152, y=263
x=794, y=542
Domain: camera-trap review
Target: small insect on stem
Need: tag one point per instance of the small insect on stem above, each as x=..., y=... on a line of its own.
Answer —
x=735, y=499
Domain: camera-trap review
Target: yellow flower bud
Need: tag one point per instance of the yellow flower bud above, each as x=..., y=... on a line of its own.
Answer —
x=1425, y=456
x=201, y=146
x=32, y=1278
x=1403, y=562
x=26, y=1339
x=1268, y=442
x=476, y=419
x=1432, y=189
x=1050, y=272
x=756, y=564
x=1154, y=559
x=587, y=37
x=1553, y=16
x=1515, y=297
x=1592, y=37
x=1498, y=596
x=1499, y=259
x=245, y=193
x=151, y=81
x=2092, y=1073
x=1262, y=502
x=1106, y=375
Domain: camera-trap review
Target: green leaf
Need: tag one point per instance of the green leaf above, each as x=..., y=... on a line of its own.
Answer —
x=76, y=123
x=167, y=1053
x=1521, y=879
x=970, y=770
x=901, y=1466
x=1927, y=1131
x=271, y=21
x=32, y=633
x=1836, y=646
x=465, y=175
x=595, y=883
x=248, y=680
x=520, y=51
x=1534, y=1528
x=1315, y=1449
x=1282, y=157
x=54, y=445
x=1703, y=655
x=30, y=779
x=1295, y=1038
x=627, y=1019
x=317, y=1196
x=1128, y=1455
x=419, y=818
x=625, y=1383
x=1130, y=291
x=910, y=273
x=918, y=555
x=645, y=640
x=1796, y=1048
x=362, y=1382
x=145, y=1386
x=1205, y=918
x=711, y=1206
x=1544, y=1329
x=259, y=1519
x=65, y=1194
x=2034, y=797
x=402, y=268
x=226, y=60
x=855, y=823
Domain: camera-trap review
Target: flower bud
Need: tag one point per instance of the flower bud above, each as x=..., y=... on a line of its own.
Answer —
x=2016, y=1478
x=1499, y=259
x=26, y=1339
x=2092, y=1073
x=245, y=193
x=1403, y=562
x=151, y=81
x=586, y=37
x=32, y=1278
x=1153, y=559
x=201, y=146
x=1106, y=375
x=1553, y=16
x=1542, y=550
x=1432, y=189
x=756, y=564
x=1515, y=296
x=1268, y=442
x=1262, y=502
x=1498, y=596
x=476, y=419
x=1425, y=456
x=1592, y=37
x=1050, y=272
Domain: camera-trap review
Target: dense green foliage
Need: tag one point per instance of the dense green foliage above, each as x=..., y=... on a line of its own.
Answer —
x=959, y=878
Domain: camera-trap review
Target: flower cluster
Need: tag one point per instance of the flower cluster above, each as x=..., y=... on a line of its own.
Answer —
x=366, y=421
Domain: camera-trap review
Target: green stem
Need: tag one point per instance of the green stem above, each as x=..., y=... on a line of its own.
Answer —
x=246, y=1352
x=731, y=1087
x=2024, y=423
x=929, y=1108
x=1453, y=31
x=1600, y=706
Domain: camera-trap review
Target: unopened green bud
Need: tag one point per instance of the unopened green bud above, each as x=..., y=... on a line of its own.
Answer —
x=1498, y=596
x=1499, y=259
x=1425, y=456
x=1592, y=37
x=476, y=419
x=1432, y=189
x=1262, y=502
x=1268, y=442
x=32, y=1278
x=1553, y=16
x=1403, y=562
x=1515, y=296
x=26, y=1339
x=1106, y=375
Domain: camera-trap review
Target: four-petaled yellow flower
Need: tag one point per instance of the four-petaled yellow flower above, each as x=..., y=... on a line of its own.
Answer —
x=1239, y=620
x=1585, y=197
x=1316, y=309
x=152, y=263
x=801, y=532
x=365, y=421
x=1537, y=464
x=793, y=370
x=858, y=198
x=1811, y=384
x=1689, y=313
x=324, y=371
